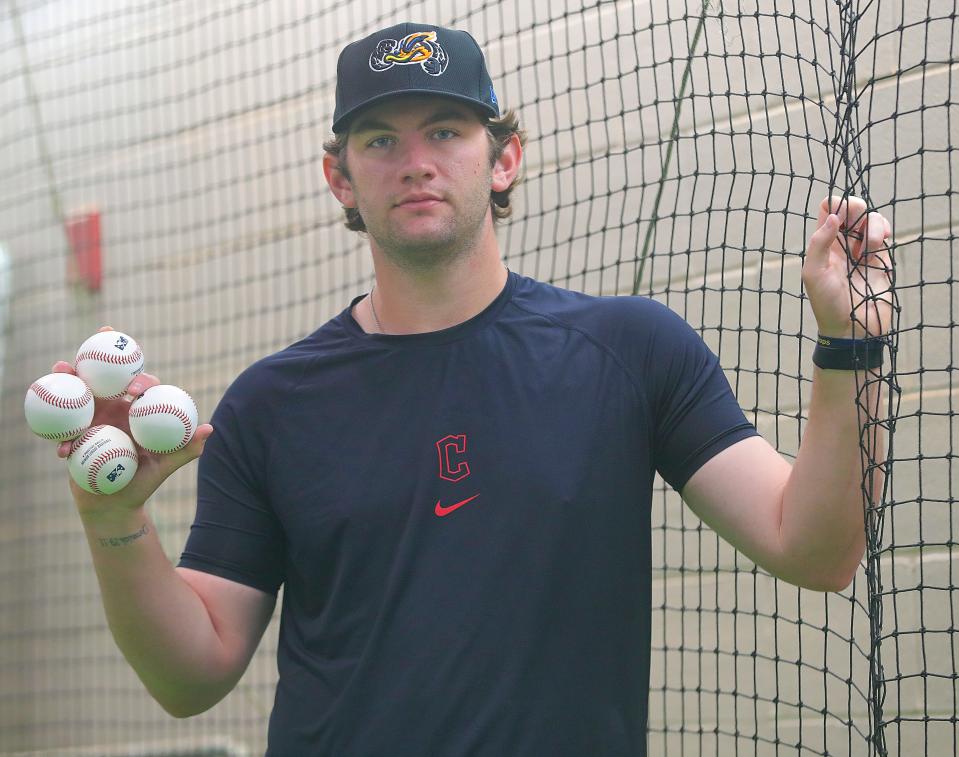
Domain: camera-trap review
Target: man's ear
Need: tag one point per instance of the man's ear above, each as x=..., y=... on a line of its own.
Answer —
x=507, y=166
x=340, y=185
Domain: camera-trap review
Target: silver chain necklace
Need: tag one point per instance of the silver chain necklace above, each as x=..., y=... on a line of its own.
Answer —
x=373, y=308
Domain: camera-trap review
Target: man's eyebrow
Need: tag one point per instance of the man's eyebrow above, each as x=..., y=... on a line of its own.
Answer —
x=445, y=115
x=372, y=124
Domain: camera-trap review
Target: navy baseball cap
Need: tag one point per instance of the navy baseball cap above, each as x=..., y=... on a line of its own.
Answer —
x=411, y=59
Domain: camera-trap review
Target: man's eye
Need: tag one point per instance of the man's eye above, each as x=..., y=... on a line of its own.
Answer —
x=380, y=142
x=444, y=134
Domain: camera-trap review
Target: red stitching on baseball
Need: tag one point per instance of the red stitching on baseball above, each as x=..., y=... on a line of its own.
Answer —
x=80, y=440
x=63, y=436
x=67, y=403
x=140, y=411
x=105, y=457
x=106, y=357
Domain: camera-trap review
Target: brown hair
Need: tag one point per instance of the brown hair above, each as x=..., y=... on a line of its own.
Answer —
x=500, y=131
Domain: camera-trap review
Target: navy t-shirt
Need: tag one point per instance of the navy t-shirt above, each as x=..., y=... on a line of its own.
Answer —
x=461, y=521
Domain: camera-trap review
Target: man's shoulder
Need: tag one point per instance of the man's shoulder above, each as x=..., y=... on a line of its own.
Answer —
x=594, y=314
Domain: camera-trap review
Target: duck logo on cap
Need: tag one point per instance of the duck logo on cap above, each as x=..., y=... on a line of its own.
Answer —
x=418, y=47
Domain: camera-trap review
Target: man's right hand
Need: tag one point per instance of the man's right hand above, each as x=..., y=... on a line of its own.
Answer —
x=153, y=469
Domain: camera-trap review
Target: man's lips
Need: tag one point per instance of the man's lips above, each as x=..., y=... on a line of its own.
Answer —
x=419, y=202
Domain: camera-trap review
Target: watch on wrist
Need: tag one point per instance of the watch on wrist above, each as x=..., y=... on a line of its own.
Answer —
x=848, y=354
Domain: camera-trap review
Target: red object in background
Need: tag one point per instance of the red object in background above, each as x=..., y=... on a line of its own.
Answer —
x=83, y=234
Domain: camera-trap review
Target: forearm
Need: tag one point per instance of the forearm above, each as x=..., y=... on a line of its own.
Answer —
x=159, y=623
x=823, y=509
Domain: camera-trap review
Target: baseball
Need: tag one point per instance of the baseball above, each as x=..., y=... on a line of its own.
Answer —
x=107, y=362
x=59, y=407
x=103, y=460
x=163, y=419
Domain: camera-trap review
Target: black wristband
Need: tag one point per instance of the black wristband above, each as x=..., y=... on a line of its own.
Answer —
x=848, y=354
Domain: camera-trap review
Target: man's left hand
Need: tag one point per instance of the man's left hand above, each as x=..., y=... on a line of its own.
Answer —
x=848, y=270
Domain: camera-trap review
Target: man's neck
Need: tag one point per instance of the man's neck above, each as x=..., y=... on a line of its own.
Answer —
x=421, y=301
x=417, y=304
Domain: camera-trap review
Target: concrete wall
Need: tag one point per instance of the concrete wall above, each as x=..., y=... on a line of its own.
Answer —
x=196, y=129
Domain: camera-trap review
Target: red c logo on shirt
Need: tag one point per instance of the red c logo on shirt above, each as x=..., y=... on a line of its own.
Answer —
x=449, y=448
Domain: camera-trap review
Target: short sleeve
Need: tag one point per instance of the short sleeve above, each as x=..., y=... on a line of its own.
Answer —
x=235, y=534
x=696, y=413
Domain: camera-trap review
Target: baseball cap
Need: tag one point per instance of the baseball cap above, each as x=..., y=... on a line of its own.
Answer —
x=411, y=59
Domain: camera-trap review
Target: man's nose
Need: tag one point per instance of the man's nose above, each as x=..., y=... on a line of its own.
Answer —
x=418, y=161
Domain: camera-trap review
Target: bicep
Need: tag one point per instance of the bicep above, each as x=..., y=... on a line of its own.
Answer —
x=239, y=613
x=739, y=494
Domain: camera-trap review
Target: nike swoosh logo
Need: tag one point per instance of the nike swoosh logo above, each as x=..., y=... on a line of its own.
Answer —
x=441, y=511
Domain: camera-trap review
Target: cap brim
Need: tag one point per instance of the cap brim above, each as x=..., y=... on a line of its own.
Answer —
x=342, y=123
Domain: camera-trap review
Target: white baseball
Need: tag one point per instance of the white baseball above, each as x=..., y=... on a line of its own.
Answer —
x=102, y=460
x=58, y=406
x=107, y=362
x=163, y=418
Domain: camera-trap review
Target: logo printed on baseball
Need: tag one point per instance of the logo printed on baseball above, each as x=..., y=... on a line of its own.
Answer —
x=114, y=474
x=107, y=362
x=94, y=448
x=59, y=407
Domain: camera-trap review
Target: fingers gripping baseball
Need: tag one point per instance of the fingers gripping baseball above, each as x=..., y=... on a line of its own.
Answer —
x=111, y=412
x=847, y=272
x=152, y=470
x=147, y=468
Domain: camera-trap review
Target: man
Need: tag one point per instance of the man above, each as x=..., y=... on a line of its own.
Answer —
x=452, y=478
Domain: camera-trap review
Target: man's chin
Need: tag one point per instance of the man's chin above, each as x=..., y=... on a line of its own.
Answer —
x=422, y=233
x=427, y=247
x=424, y=249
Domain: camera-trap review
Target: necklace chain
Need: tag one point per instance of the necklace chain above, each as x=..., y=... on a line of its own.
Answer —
x=373, y=308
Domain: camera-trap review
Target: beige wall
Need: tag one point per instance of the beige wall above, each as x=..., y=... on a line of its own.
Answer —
x=196, y=129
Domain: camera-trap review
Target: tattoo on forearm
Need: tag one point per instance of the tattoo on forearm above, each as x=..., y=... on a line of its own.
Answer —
x=122, y=541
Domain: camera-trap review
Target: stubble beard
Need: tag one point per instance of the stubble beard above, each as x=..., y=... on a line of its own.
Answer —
x=454, y=240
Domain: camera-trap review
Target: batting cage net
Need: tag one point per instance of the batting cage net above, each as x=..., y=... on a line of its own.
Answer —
x=161, y=174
